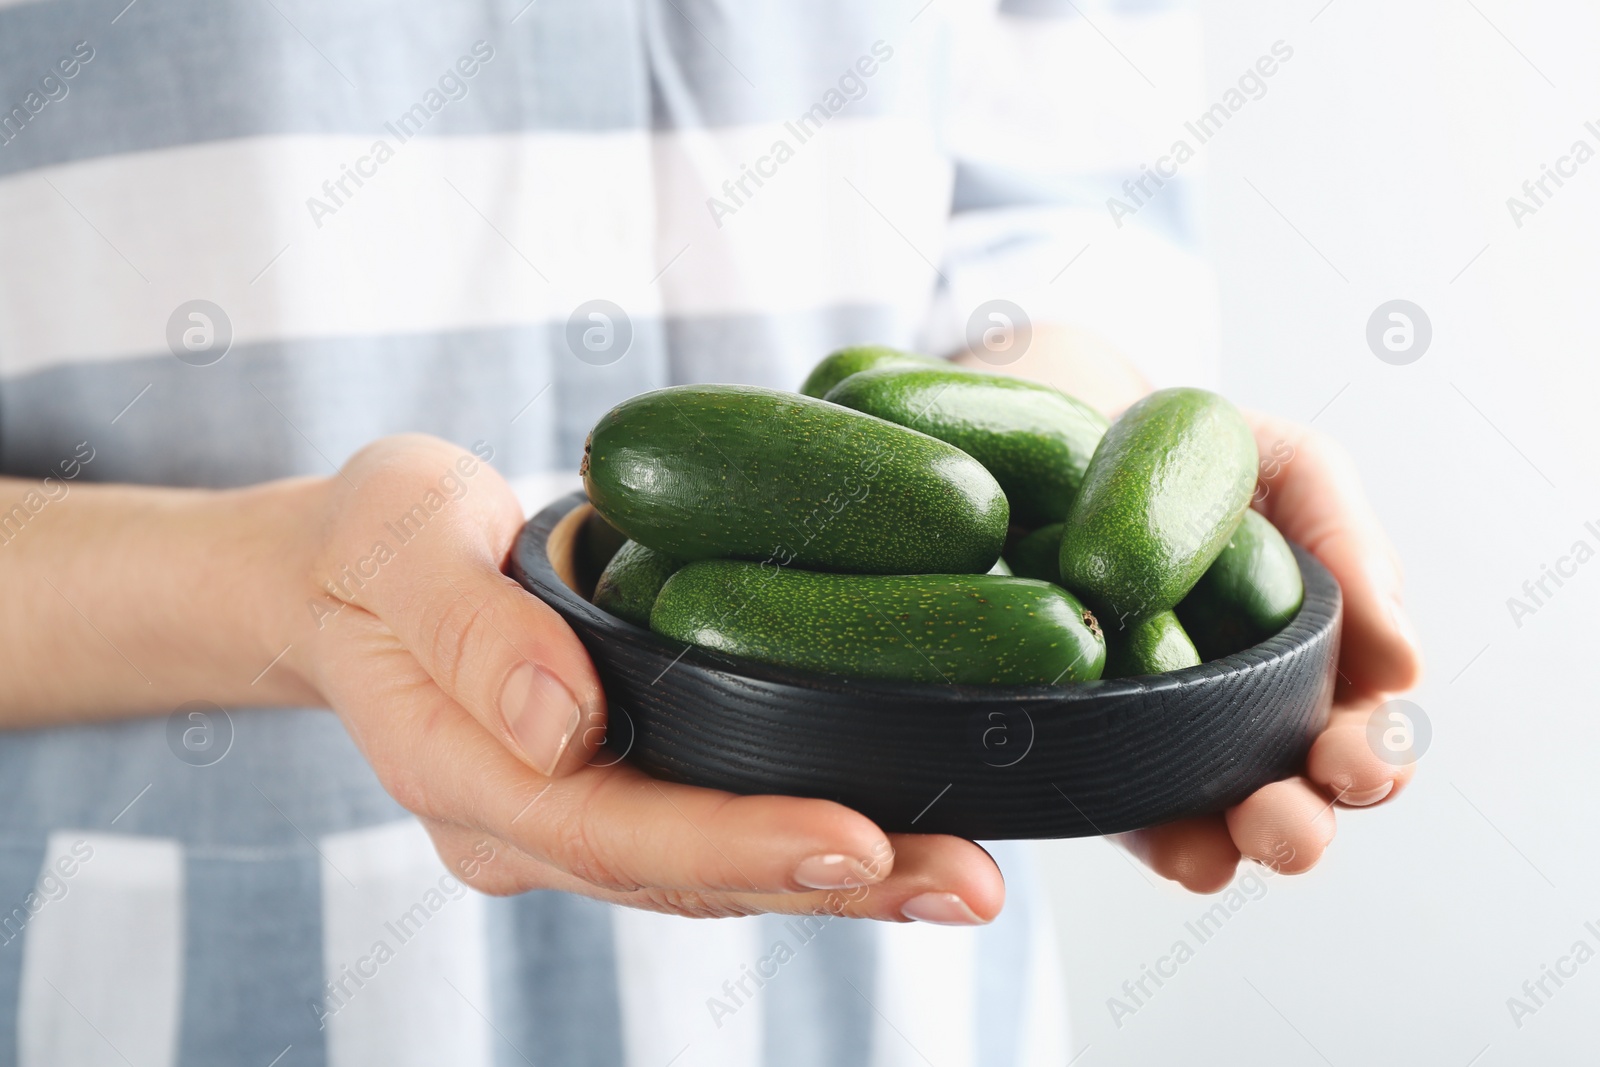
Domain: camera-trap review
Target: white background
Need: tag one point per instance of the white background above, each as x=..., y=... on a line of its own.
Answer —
x=1391, y=143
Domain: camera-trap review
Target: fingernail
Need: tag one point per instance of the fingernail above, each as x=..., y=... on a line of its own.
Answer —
x=942, y=909
x=541, y=714
x=832, y=870
x=1368, y=797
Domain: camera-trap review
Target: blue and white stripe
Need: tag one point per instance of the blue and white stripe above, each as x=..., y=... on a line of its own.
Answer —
x=536, y=156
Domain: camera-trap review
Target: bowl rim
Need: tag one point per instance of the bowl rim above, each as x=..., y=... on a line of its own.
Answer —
x=530, y=565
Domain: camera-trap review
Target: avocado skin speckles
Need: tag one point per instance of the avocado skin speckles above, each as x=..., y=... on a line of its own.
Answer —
x=1034, y=439
x=1249, y=593
x=1152, y=646
x=840, y=365
x=1038, y=555
x=1167, y=487
x=628, y=586
x=738, y=472
x=957, y=628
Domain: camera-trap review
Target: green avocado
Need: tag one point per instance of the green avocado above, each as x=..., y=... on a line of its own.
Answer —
x=1166, y=488
x=1034, y=439
x=1251, y=592
x=737, y=472
x=967, y=629
x=1038, y=555
x=847, y=361
x=628, y=586
x=1151, y=646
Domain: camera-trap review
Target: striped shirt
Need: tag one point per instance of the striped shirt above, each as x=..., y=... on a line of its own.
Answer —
x=239, y=240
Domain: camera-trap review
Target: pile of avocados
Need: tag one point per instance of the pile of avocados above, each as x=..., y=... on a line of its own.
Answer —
x=902, y=518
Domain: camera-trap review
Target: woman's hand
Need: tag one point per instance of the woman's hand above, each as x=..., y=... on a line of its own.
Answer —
x=480, y=711
x=1310, y=491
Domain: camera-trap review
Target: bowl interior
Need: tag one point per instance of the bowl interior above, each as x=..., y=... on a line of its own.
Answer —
x=561, y=547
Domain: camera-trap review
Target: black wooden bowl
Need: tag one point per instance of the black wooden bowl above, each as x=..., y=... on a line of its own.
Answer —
x=986, y=762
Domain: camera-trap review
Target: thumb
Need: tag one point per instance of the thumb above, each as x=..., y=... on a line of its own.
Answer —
x=448, y=521
x=1312, y=492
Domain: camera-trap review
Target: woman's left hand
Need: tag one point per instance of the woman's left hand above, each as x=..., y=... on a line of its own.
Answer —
x=1311, y=492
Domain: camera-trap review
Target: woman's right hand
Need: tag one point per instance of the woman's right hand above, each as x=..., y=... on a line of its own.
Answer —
x=480, y=711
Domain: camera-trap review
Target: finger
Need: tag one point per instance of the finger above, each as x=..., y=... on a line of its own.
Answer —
x=944, y=881
x=1343, y=762
x=1312, y=493
x=936, y=879
x=445, y=523
x=941, y=880
x=612, y=826
x=1286, y=826
x=482, y=861
x=617, y=826
x=1196, y=853
x=1378, y=651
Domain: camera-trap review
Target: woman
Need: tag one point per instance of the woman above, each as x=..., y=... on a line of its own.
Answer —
x=290, y=291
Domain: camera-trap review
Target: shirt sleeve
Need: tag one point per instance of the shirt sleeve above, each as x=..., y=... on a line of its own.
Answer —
x=1065, y=114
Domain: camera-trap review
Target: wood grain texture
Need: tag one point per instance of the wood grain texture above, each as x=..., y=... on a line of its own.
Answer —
x=988, y=763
